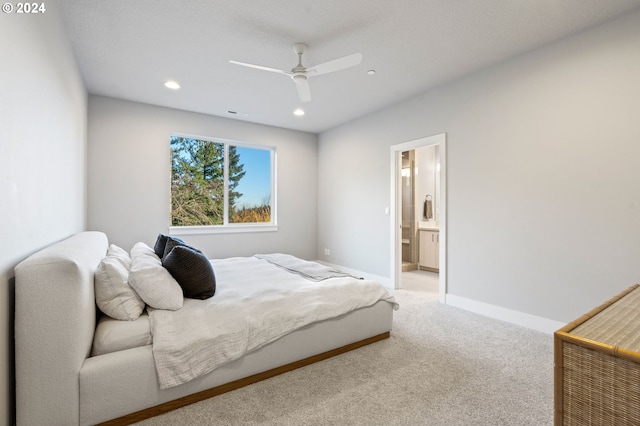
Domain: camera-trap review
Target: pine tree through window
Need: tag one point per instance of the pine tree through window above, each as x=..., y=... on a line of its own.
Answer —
x=220, y=183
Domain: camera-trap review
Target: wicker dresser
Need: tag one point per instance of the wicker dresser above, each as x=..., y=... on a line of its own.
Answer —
x=597, y=365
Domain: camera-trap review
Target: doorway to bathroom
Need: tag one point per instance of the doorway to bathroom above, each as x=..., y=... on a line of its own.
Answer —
x=419, y=215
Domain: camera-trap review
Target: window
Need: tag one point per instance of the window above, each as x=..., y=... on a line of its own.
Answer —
x=221, y=186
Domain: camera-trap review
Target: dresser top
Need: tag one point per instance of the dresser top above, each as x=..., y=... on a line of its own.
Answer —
x=616, y=325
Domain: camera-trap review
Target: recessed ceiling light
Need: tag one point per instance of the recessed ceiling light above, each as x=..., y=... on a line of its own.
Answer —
x=299, y=112
x=172, y=85
x=371, y=72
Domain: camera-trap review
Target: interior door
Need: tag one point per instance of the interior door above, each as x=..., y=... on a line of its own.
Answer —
x=396, y=212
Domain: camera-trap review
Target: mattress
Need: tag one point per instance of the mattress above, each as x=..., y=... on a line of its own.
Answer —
x=256, y=302
x=252, y=307
x=114, y=335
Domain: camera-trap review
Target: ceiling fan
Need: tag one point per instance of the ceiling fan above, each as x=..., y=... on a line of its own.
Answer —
x=300, y=74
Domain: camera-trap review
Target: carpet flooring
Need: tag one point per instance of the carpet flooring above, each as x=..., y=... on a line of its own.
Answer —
x=441, y=366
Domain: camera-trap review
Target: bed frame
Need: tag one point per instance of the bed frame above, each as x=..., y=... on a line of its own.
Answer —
x=58, y=382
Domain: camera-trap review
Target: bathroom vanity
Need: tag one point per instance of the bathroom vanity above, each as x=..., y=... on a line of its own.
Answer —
x=429, y=248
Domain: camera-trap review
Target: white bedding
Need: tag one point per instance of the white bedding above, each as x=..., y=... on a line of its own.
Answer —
x=255, y=303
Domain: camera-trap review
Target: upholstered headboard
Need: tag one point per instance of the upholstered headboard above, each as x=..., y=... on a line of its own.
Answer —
x=55, y=318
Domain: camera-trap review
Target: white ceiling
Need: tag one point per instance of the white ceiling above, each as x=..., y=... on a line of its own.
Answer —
x=128, y=49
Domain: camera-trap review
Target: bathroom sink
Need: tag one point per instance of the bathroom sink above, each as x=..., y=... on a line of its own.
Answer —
x=428, y=224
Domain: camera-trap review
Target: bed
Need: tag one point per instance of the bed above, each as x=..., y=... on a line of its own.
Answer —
x=73, y=366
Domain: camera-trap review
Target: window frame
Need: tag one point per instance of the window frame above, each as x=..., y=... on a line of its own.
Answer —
x=226, y=227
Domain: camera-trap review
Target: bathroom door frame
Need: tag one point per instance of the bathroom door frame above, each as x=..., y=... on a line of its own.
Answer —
x=396, y=212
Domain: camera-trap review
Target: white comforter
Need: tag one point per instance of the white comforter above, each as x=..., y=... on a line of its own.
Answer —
x=255, y=303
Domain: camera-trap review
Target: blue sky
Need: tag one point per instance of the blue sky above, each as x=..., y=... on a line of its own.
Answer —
x=255, y=186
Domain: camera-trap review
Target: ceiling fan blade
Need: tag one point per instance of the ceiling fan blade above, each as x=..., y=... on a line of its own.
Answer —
x=260, y=67
x=302, y=85
x=336, y=64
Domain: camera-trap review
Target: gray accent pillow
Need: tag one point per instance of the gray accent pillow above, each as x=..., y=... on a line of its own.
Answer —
x=193, y=271
x=172, y=242
x=161, y=242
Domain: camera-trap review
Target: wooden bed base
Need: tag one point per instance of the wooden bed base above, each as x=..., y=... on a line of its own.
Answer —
x=237, y=384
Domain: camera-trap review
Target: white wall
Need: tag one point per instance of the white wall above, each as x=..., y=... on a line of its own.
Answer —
x=543, y=177
x=129, y=171
x=42, y=157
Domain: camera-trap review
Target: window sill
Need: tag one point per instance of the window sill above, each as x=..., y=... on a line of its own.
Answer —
x=220, y=229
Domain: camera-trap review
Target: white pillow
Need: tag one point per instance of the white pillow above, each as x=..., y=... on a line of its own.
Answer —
x=114, y=295
x=152, y=281
x=120, y=254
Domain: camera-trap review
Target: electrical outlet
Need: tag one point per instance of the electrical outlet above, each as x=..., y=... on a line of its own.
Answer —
x=327, y=252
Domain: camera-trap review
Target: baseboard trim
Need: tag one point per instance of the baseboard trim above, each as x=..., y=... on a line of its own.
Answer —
x=511, y=316
x=533, y=322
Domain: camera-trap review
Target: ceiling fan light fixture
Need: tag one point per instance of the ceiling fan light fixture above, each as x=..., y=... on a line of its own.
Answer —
x=300, y=74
